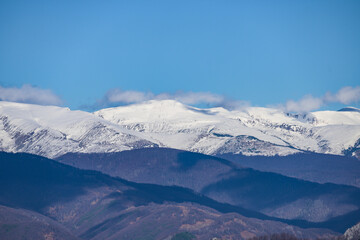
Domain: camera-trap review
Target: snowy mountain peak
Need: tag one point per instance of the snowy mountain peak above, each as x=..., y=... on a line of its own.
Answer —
x=217, y=130
x=153, y=110
x=51, y=131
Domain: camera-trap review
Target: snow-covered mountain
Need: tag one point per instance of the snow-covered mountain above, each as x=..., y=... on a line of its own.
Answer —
x=53, y=131
x=254, y=131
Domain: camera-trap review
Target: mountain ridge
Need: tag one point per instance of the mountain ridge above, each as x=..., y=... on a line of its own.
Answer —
x=265, y=192
x=53, y=131
x=96, y=206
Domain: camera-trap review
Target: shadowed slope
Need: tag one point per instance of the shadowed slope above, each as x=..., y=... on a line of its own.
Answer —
x=270, y=193
x=322, y=168
x=25, y=224
x=90, y=204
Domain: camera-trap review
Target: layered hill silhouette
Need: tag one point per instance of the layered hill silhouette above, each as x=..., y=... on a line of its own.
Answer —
x=270, y=193
x=314, y=167
x=92, y=205
x=25, y=224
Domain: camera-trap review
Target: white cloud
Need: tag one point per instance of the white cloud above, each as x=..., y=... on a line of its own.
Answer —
x=306, y=104
x=118, y=96
x=29, y=94
x=346, y=95
x=235, y=104
x=198, y=97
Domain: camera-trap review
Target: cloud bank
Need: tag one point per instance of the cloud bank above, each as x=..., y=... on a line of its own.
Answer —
x=117, y=96
x=346, y=95
x=29, y=94
x=191, y=98
x=306, y=104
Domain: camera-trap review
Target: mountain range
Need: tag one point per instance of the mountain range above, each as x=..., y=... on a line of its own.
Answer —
x=44, y=199
x=53, y=131
x=269, y=193
x=164, y=170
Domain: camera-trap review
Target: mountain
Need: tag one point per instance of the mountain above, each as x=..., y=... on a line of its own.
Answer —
x=252, y=131
x=53, y=131
x=91, y=205
x=26, y=224
x=314, y=167
x=353, y=233
x=224, y=181
x=156, y=165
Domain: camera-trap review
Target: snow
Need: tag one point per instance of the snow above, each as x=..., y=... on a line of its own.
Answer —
x=51, y=131
x=337, y=118
x=179, y=126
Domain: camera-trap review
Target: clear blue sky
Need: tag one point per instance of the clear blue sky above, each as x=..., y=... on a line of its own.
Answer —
x=265, y=52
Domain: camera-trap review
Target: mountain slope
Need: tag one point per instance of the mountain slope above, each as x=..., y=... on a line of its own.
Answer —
x=54, y=131
x=51, y=131
x=95, y=206
x=353, y=233
x=224, y=181
x=253, y=131
x=157, y=166
x=25, y=224
x=315, y=167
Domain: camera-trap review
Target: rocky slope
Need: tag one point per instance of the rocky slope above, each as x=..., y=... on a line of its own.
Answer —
x=353, y=233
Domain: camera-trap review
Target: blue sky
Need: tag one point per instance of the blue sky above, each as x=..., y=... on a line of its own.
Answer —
x=262, y=52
